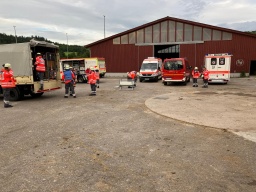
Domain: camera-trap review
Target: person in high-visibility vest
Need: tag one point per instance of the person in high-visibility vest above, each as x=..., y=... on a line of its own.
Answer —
x=205, y=75
x=97, y=73
x=92, y=81
x=68, y=78
x=7, y=82
x=196, y=74
x=132, y=75
x=40, y=69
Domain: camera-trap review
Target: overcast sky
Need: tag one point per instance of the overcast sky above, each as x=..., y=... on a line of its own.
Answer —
x=82, y=21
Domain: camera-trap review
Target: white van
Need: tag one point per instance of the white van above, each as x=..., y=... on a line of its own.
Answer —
x=151, y=69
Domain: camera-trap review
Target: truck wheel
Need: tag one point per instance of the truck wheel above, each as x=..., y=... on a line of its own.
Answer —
x=14, y=94
x=35, y=95
x=141, y=80
x=80, y=79
x=165, y=83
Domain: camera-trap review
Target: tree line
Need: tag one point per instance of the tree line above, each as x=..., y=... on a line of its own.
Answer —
x=74, y=51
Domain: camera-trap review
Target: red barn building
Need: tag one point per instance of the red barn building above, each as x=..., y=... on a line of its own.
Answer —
x=171, y=37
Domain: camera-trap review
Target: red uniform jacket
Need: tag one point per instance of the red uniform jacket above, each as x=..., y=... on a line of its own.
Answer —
x=40, y=64
x=7, y=79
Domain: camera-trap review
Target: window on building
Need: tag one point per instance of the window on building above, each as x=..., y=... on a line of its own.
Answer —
x=226, y=36
x=148, y=34
x=156, y=33
x=179, y=31
x=171, y=31
x=164, y=31
x=132, y=38
x=207, y=34
x=216, y=35
x=188, y=32
x=197, y=33
x=116, y=40
x=171, y=49
x=140, y=36
x=124, y=39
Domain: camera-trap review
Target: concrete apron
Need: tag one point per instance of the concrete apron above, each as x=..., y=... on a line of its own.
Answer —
x=233, y=112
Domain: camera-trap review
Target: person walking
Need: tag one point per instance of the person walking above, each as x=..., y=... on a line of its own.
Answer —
x=195, y=75
x=40, y=69
x=97, y=73
x=92, y=81
x=69, y=78
x=205, y=75
x=7, y=83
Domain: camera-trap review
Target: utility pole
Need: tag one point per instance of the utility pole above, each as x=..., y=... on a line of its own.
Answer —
x=104, y=26
x=15, y=33
x=67, y=45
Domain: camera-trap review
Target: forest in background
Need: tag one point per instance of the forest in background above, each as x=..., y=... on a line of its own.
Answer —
x=74, y=51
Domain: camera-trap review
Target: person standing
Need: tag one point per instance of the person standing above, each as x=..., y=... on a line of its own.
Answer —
x=8, y=82
x=40, y=69
x=196, y=75
x=92, y=81
x=97, y=73
x=69, y=78
x=205, y=74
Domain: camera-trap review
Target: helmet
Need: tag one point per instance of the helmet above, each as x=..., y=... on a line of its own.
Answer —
x=196, y=68
x=8, y=65
x=66, y=67
x=92, y=68
x=70, y=67
x=39, y=54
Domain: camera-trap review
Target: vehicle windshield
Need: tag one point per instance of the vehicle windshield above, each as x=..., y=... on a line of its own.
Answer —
x=173, y=65
x=149, y=66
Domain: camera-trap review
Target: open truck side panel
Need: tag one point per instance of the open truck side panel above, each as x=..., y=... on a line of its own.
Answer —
x=78, y=64
x=22, y=57
x=97, y=62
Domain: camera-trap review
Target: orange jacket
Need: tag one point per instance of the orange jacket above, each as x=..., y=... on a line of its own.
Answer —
x=7, y=79
x=40, y=64
x=206, y=74
x=132, y=74
x=92, y=78
x=195, y=74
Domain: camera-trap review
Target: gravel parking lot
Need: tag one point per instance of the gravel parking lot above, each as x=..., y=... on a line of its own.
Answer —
x=114, y=142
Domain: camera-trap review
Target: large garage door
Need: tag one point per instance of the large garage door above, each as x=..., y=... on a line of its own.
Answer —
x=167, y=51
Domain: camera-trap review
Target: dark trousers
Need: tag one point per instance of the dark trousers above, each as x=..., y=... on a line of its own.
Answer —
x=41, y=77
x=93, y=87
x=69, y=86
x=6, y=94
x=195, y=80
x=206, y=81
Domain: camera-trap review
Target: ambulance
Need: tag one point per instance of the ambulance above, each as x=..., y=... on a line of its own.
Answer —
x=151, y=69
x=176, y=70
x=218, y=66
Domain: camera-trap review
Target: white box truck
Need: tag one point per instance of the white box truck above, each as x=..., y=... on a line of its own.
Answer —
x=218, y=65
x=22, y=58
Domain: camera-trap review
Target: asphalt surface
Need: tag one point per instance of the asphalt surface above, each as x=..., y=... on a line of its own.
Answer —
x=128, y=140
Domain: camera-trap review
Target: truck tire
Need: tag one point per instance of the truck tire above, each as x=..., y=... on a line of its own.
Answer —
x=80, y=79
x=165, y=83
x=141, y=80
x=15, y=94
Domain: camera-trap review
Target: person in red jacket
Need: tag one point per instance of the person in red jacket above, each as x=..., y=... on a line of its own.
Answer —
x=205, y=75
x=40, y=69
x=132, y=75
x=92, y=81
x=196, y=74
x=7, y=83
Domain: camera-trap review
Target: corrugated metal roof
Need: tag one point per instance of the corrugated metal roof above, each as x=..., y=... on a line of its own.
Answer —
x=171, y=19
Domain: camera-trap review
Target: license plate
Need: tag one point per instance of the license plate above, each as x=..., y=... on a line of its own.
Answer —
x=168, y=78
x=146, y=78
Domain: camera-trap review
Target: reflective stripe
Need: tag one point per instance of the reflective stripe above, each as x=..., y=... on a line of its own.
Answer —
x=8, y=84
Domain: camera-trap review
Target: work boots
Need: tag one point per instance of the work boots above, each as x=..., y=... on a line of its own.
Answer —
x=7, y=105
x=41, y=87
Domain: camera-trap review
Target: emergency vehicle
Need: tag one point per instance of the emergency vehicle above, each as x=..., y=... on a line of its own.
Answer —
x=218, y=66
x=78, y=65
x=151, y=69
x=176, y=70
x=22, y=57
x=96, y=62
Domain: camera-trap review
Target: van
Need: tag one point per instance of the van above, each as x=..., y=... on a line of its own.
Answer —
x=176, y=70
x=151, y=69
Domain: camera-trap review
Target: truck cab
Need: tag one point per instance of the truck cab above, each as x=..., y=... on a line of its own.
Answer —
x=176, y=70
x=150, y=69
